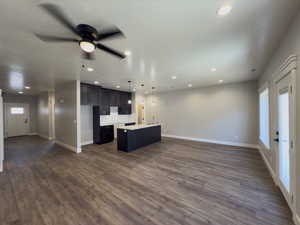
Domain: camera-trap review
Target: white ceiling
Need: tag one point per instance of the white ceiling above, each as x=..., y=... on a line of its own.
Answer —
x=166, y=38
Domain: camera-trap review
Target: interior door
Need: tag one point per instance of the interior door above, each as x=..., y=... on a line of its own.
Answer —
x=284, y=134
x=16, y=119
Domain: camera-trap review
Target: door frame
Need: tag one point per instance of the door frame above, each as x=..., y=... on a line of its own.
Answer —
x=6, y=106
x=288, y=68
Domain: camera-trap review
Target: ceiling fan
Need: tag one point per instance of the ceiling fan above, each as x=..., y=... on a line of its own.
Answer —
x=87, y=36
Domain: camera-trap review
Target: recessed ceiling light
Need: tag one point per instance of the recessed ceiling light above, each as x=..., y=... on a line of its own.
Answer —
x=90, y=69
x=127, y=53
x=27, y=87
x=190, y=85
x=118, y=86
x=221, y=81
x=224, y=10
x=213, y=69
x=174, y=77
x=96, y=82
x=20, y=92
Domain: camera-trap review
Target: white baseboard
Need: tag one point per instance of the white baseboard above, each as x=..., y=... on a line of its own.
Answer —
x=87, y=143
x=268, y=166
x=69, y=147
x=213, y=141
x=45, y=137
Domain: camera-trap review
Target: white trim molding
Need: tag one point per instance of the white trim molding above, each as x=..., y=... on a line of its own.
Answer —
x=45, y=137
x=69, y=147
x=245, y=145
x=1, y=133
x=87, y=143
x=268, y=166
x=296, y=219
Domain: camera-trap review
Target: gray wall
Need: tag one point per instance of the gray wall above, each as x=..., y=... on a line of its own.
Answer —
x=289, y=46
x=65, y=113
x=43, y=114
x=223, y=113
x=32, y=101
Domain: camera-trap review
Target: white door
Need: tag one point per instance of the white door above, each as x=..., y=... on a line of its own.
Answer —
x=16, y=119
x=284, y=135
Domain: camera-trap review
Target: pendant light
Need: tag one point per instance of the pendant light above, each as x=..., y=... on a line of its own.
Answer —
x=129, y=87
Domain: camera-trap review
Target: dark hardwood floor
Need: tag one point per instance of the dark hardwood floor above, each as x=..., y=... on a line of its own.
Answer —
x=172, y=182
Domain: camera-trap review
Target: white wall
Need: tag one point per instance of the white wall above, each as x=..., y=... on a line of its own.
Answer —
x=43, y=115
x=26, y=99
x=289, y=46
x=86, y=117
x=1, y=133
x=67, y=117
x=222, y=113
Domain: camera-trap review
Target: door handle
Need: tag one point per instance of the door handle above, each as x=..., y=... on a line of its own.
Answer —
x=276, y=140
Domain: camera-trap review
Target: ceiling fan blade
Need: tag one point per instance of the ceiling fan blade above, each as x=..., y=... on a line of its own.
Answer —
x=111, y=51
x=88, y=56
x=59, y=15
x=109, y=34
x=54, y=39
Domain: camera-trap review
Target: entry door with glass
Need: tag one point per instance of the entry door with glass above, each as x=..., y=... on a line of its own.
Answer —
x=284, y=133
x=16, y=119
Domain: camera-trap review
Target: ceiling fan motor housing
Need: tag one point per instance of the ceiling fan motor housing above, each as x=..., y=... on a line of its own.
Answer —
x=87, y=32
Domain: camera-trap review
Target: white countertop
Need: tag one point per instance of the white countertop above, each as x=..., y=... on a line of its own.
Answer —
x=114, y=123
x=139, y=126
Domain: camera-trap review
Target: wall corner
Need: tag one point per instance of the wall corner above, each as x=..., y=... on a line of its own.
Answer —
x=1, y=133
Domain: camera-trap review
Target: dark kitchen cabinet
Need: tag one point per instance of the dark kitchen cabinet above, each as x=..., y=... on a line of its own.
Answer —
x=106, y=134
x=104, y=101
x=83, y=94
x=114, y=98
x=96, y=125
x=89, y=94
x=105, y=98
x=124, y=109
x=92, y=95
x=124, y=106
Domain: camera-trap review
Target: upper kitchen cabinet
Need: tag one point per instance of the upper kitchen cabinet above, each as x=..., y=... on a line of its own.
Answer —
x=92, y=95
x=104, y=101
x=124, y=106
x=105, y=98
x=89, y=94
x=83, y=94
x=114, y=98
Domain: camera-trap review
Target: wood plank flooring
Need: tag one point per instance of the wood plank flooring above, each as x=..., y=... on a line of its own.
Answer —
x=173, y=182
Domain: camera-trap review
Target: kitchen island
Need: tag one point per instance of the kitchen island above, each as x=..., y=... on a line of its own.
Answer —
x=131, y=138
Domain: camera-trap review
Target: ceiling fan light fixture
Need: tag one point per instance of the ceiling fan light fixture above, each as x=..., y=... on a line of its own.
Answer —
x=225, y=9
x=87, y=46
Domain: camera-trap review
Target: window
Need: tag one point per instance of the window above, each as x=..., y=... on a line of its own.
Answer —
x=264, y=117
x=17, y=110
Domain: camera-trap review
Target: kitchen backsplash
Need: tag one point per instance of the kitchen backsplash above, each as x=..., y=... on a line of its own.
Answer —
x=114, y=117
